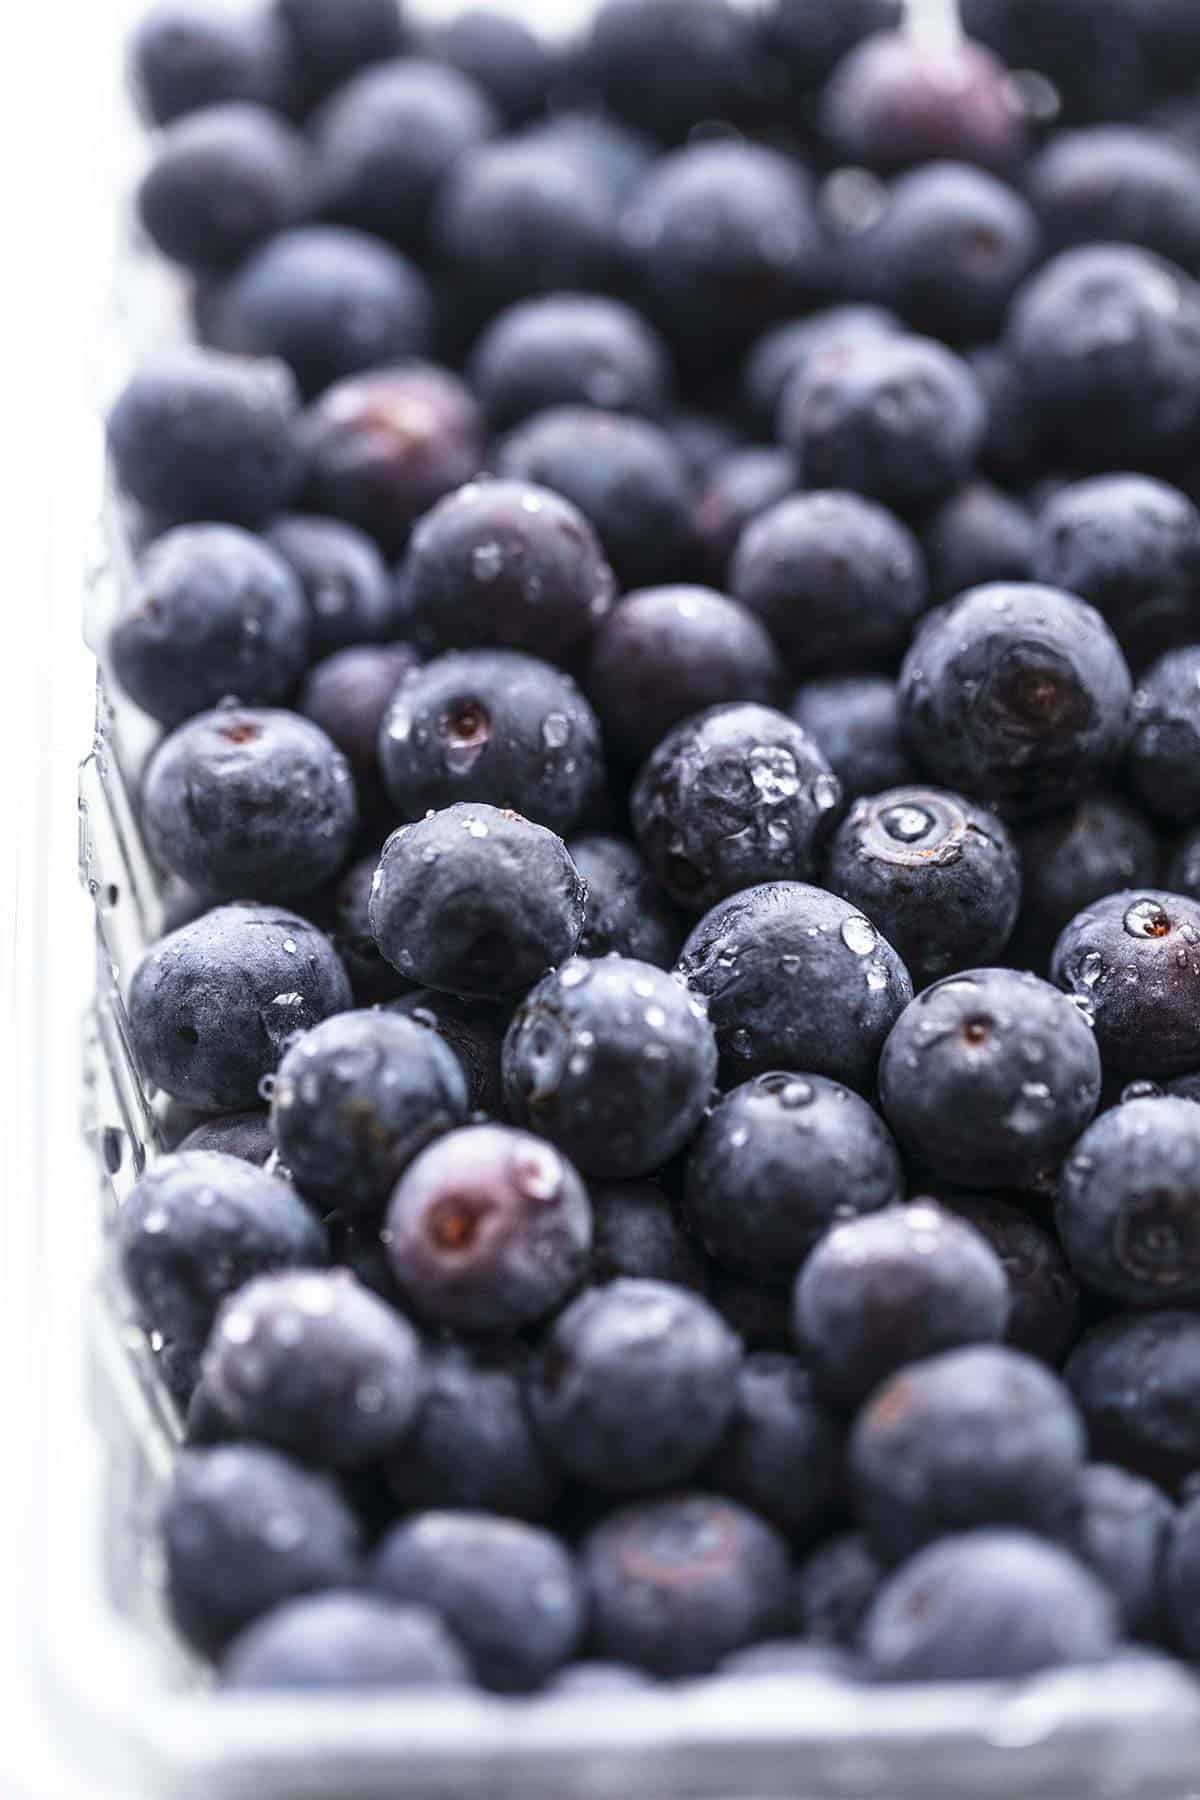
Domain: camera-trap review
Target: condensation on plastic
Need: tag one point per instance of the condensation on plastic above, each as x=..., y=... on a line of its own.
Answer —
x=130, y=1697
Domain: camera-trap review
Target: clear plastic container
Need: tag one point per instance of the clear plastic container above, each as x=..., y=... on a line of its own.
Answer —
x=133, y=1709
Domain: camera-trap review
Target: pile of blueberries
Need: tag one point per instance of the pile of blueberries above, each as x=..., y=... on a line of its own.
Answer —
x=670, y=582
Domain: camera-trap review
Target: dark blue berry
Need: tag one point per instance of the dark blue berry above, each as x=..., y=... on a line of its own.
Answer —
x=476, y=901
x=880, y=1292
x=1182, y=1578
x=635, y=1233
x=244, y=1530
x=1183, y=874
x=739, y=487
x=782, y=1452
x=1122, y=1533
x=195, y=435
x=472, y=1444
x=508, y=1592
x=246, y=1135
x=669, y=65
x=939, y=877
x=1012, y=446
x=779, y=1161
x=316, y=1365
x=488, y=1230
x=895, y=99
x=492, y=726
x=355, y=1100
x=569, y=350
x=609, y=149
x=981, y=534
x=837, y=580
x=515, y=67
x=834, y=1589
x=988, y=1606
x=474, y=1031
x=1015, y=695
x=387, y=140
x=678, y=1584
x=1132, y=960
x=1136, y=1380
x=372, y=980
x=183, y=57
x=624, y=475
x=1091, y=54
x=1164, y=751
x=613, y=1061
x=972, y=1437
x=347, y=695
x=248, y=802
x=384, y=446
x=636, y=1385
x=331, y=43
x=1074, y=859
x=795, y=979
x=336, y=1640
x=213, y=1005
x=627, y=914
x=811, y=37
x=1045, y=1310
x=701, y=440
x=214, y=614
x=1118, y=184
x=344, y=578
x=506, y=563
x=786, y=349
x=666, y=653
x=855, y=719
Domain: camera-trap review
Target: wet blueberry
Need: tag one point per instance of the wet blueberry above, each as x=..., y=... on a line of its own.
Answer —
x=856, y=721
x=782, y=1452
x=569, y=350
x=1136, y=1380
x=1164, y=751
x=636, y=1234
x=1045, y=1312
x=1132, y=961
x=336, y=1640
x=627, y=913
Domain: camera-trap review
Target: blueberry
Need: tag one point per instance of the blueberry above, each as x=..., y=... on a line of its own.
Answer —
x=587, y=1680
x=183, y=57
x=476, y=901
x=246, y=1135
x=1133, y=960
x=315, y=1365
x=492, y=726
x=669, y=65
x=475, y=1033
x=328, y=302
x=1182, y=1578
x=837, y=580
x=777, y=1163
x=880, y=1292
x=811, y=37
x=506, y=563
x=1136, y=1380
x=636, y=1386
x=899, y=419
x=679, y=1583
x=569, y=350
x=732, y=796
x=250, y=802
x=372, y=980
x=1091, y=54
x=1012, y=446
x=387, y=140
x=1128, y=1200
x=195, y=435
x=940, y=877
x=488, y=1230
x=344, y=1640
x=515, y=218
x=701, y=440
x=1015, y=695
x=383, y=447
x=666, y=653
x=791, y=1657
x=356, y=1099
x=344, y=578
x=950, y=249
x=724, y=239
x=515, y=67
x=508, y=1592
x=244, y=1530
x=786, y=349
x=972, y=1437
x=1118, y=184
x=990, y=1076
x=1122, y=1533
x=199, y=1225
x=214, y=613
x=609, y=149
x=855, y=719
x=981, y=534
x=222, y=181
x=1108, y=340
x=739, y=488
x=626, y=914
x=834, y=1590
x=624, y=475
x=1074, y=859
x=795, y=979
x=1130, y=545
x=1164, y=752
x=988, y=1605
x=213, y=1005
x=782, y=1452
x=472, y=1444
x=1045, y=1303
x=636, y=1234
x=895, y=99
x=332, y=43
x=1183, y=875
x=613, y=1061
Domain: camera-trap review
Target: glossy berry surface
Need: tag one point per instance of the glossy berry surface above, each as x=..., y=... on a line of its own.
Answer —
x=1045, y=1314
x=636, y=1233
x=1164, y=751
x=343, y=1641
x=782, y=1451
x=855, y=720
x=891, y=102
x=627, y=912
x=569, y=350
x=1132, y=961
x=1123, y=1532
x=347, y=695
